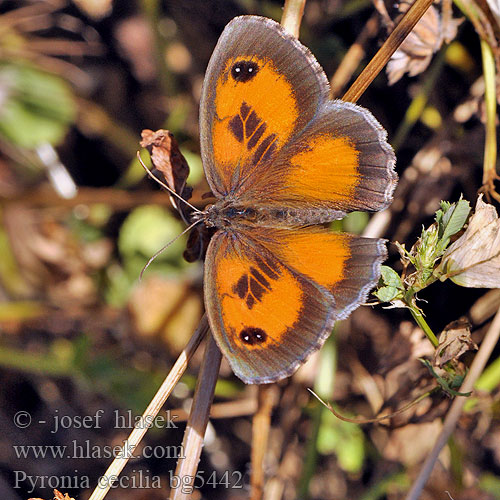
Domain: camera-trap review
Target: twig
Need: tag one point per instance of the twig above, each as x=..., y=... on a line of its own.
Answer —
x=292, y=16
x=490, y=145
x=130, y=445
x=118, y=199
x=267, y=397
x=192, y=443
x=394, y=40
x=480, y=360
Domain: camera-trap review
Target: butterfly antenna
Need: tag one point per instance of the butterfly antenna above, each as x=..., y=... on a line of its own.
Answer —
x=166, y=246
x=168, y=188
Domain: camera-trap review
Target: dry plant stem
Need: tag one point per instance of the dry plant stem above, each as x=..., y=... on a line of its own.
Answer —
x=362, y=421
x=480, y=360
x=152, y=410
x=490, y=97
x=118, y=199
x=478, y=19
x=395, y=39
x=292, y=16
x=198, y=420
x=353, y=57
x=232, y=409
x=267, y=397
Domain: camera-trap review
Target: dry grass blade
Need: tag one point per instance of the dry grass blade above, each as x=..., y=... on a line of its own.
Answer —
x=395, y=39
x=150, y=413
x=267, y=398
x=198, y=420
x=353, y=57
x=292, y=16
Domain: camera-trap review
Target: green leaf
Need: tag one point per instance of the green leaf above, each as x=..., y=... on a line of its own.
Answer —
x=388, y=294
x=344, y=439
x=391, y=277
x=355, y=222
x=451, y=219
x=149, y=228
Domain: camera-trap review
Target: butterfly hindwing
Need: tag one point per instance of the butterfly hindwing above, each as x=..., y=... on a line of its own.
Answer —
x=272, y=296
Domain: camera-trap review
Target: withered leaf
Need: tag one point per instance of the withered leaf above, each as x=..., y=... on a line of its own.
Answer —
x=473, y=260
x=170, y=162
x=454, y=340
x=415, y=53
x=57, y=496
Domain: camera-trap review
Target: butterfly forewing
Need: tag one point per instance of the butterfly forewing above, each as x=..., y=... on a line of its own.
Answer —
x=261, y=88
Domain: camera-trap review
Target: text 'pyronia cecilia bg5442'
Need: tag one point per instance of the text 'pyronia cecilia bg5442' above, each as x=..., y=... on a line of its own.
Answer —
x=282, y=158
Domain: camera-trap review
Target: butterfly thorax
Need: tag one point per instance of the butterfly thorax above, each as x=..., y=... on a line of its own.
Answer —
x=224, y=214
x=227, y=214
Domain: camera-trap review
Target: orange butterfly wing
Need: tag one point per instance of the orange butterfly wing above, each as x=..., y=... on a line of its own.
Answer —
x=273, y=295
x=341, y=162
x=271, y=137
x=252, y=101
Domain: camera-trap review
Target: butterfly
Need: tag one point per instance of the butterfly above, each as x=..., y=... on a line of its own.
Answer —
x=282, y=159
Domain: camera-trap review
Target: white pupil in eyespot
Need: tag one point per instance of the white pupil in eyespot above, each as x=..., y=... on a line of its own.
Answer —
x=237, y=70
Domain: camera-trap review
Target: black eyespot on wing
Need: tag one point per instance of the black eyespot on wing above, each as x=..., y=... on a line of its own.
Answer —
x=242, y=71
x=253, y=336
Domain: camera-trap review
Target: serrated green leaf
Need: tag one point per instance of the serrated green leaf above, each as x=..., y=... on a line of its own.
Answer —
x=390, y=277
x=387, y=293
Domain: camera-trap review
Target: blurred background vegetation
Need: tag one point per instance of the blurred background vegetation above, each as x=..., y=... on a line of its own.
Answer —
x=79, y=80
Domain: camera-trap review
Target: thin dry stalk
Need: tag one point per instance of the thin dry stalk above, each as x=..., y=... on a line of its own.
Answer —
x=118, y=199
x=292, y=16
x=450, y=422
x=198, y=420
x=394, y=40
x=231, y=409
x=152, y=410
x=267, y=398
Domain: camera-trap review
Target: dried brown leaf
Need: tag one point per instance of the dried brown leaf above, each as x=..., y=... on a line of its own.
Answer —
x=415, y=53
x=473, y=260
x=454, y=341
x=170, y=162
